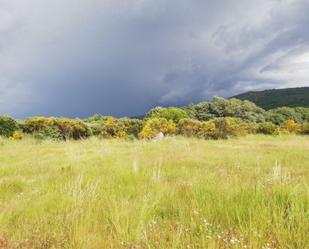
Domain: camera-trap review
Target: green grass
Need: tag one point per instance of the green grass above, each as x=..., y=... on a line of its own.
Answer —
x=250, y=192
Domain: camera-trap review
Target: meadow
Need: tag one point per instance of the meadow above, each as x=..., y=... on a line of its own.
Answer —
x=247, y=192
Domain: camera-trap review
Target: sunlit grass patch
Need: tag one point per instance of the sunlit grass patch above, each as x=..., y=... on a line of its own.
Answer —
x=250, y=192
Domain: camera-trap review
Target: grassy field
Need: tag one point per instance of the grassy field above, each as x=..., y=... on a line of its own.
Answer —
x=251, y=192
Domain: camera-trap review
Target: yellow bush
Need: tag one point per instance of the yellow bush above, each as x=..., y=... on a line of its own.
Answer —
x=147, y=132
x=62, y=128
x=207, y=130
x=291, y=126
x=113, y=128
x=268, y=128
x=232, y=127
x=189, y=127
x=17, y=135
x=155, y=126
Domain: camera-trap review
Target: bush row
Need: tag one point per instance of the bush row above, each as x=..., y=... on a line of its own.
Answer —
x=217, y=119
x=62, y=128
x=109, y=127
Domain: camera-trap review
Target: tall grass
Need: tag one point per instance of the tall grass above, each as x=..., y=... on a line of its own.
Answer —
x=250, y=192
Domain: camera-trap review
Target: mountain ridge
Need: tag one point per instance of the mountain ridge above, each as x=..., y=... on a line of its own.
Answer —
x=273, y=98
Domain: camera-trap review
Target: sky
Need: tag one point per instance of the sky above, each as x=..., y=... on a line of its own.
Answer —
x=76, y=58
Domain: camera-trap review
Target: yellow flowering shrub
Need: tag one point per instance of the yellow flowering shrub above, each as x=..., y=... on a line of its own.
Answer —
x=156, y=125
x=17, y=135
x=113, y=128
x=207, y=130
x=188, y=127
x=268, y=128
x=291, y=126
x=62, y=128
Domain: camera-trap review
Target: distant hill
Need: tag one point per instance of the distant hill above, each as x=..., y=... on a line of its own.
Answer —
x=269, y=99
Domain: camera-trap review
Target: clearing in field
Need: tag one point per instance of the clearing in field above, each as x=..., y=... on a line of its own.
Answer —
x=250, y=192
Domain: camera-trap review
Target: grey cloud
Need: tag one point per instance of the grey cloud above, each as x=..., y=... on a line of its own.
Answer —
x=77, y=58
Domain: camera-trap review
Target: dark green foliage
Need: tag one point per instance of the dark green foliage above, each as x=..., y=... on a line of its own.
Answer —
x=279, y=115
x=269, y=99
x=7, y=126
x=96, y=123
x=171, y=113
x=245, y=110
x=220, y=107
x=303, y=113
x=191, y=111
x=50, y=132
x=133, y=126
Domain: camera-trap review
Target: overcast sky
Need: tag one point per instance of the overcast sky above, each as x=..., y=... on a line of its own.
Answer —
x=76, y=58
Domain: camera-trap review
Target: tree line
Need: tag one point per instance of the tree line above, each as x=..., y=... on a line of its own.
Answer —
x=217, y=119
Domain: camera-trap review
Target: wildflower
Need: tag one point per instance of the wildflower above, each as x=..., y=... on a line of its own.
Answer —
x=135, y=166
x=195, y=212
x=206, y=223
x=234, y=240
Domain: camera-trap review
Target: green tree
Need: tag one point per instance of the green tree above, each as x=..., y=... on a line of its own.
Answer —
x=7, y=126
x=281, y=114
x=171, y=113
x=220, y=107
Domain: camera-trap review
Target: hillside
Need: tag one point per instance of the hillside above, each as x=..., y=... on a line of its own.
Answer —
x=268, y=99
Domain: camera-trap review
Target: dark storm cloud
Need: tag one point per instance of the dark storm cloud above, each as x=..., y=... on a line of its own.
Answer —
x=121, y=57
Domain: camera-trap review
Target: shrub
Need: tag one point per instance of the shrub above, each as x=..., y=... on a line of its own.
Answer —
x=188, y=127
x=96, y=123
x=303, y=112
x=220, y=128
x=95, y=127
x=220, y=107
x=194, y=128
x=230, y=127
x=207, y=130
x=47, y=132
x=72, y=129
x=245, y=128
x=53, y=128
x=268, y=128
x=191, y=111
x=17, y=135
x=113, y=128
x=171, y=113
x=305, y=128
x=279, y=115
x=133, y=126
x=291, y=126
x=157, y=125
x=7, y=126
